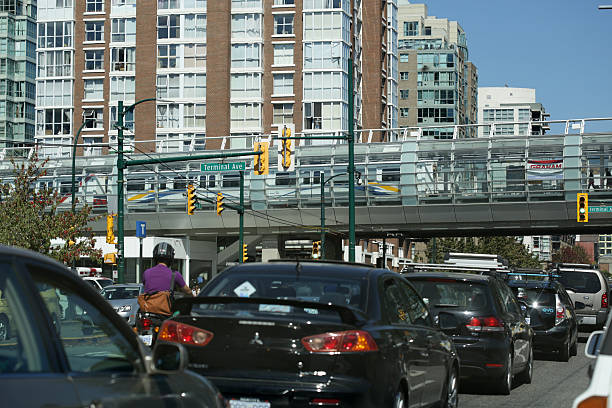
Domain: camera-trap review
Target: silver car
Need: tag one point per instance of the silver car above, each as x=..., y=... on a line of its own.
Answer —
x=586, y=285
x=124, y=299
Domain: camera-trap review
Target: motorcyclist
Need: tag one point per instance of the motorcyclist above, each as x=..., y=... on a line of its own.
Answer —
x=158, y=277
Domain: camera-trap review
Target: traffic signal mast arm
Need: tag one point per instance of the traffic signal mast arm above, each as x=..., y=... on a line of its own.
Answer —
x=127, y=163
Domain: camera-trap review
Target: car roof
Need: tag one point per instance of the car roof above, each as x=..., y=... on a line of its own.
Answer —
x=25, y=253
x=96, y=278
x=348, y=270
x=471, y=277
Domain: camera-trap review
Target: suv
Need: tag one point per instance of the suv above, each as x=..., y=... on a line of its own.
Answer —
x=551, y=315
x=586, y=285
x=485, y=321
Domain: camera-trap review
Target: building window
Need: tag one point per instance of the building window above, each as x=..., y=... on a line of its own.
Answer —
x=54, y=122
x=322, y=4
x=94, y=60
x=283, y=24
x=404, y=93
x=404, y=76
x=246, y=25
x=194, y=56
x=245, y=115
x=128, y=118
x=326, y=26
x=168, y=116
x=404, y=57
x=325, y=85
x=323, y=115
x=283, y=54
x=195, y=26
x=123, y=30
x=283, y=113
x=524, y=114
x=94, y=31
x=427, y=31
x=411, y=28
x=95, y=6
x=166, y=56
x=284, y=2
x=97, y=114
x=238, y=4
x=119, y=3
x=325, y=55
x=62, y=3
x=94, y=89
x=123, y=59
x=169, y=86
x=246, y=85
x=55, y=34
x=283, y=84
x=436, y=115
x=200, y=4
x=246, y=55
x=54, y=63
x=403, y=112
x=168, y=4
x=194, y=86
x=168, y=27
x=122, y=88
x=54, y=92
x=194, y=115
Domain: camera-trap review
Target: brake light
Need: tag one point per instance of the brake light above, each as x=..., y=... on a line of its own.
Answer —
x=604, y=300
x=595, y=401
x=485, y=324
x=185, y=334
x=346, y=341
x=325, y=402
x=560, y=311
x=146, y=323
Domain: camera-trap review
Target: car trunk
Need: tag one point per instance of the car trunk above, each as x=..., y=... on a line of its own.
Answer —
x=585, y=287
x=543, y=304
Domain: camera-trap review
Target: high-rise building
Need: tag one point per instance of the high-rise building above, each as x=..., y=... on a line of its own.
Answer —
x=17, y=72
x=217, y=68
x=437, y=83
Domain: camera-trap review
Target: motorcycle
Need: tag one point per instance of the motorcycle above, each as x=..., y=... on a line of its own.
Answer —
x=148, y=325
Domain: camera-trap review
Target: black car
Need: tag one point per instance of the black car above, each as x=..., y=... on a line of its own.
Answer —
x=301, y=334
x=63, y=345
x=485, y=322
x=551, y=315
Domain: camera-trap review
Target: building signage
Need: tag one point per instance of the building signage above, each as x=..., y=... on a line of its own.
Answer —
x=545, y=169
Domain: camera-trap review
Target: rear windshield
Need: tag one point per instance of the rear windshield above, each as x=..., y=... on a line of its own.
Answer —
x=536, y=296
x=110, y=293
x=580, y=282
x=452, y=293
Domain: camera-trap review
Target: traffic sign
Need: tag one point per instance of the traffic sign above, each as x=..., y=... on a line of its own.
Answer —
x=601, y=209
x=141, y=229
x=232, y=166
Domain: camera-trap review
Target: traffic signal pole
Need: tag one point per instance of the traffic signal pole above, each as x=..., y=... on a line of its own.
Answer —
x=241, y=213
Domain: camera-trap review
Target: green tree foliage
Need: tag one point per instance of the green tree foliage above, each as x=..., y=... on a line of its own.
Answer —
x=572, y=254
x=30, y=217
x=508, y=248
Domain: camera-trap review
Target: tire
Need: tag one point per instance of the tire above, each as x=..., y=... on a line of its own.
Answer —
x=574, y=348
x=4, y=328
x=399, y=399
x=564, y=352
x=450, y=396
x=527, y=374
x=504, y=383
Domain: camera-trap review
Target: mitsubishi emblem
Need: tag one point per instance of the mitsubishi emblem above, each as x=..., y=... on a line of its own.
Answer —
x=256, y=340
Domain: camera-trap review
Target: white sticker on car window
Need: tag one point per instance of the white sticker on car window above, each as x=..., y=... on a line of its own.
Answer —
x=245, y=289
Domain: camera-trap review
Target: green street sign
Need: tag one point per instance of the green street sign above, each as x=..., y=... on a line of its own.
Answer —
x=233, y=166
x=601, y=209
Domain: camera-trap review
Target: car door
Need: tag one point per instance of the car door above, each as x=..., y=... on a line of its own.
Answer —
x=31, y=373
x=105, y=365
x=436, y=342
x=518, y=327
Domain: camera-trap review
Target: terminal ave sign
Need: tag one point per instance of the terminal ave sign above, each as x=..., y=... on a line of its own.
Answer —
x=600, y=209
x=233, y=166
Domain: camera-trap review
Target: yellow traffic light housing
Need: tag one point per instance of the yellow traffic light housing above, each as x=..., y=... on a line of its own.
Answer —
x=192, y=199
x=110, y=234
x=582, y=210
x=220, y=206
x=316, y=249
x=287, y=151
x=262, y=162
x=245, y=252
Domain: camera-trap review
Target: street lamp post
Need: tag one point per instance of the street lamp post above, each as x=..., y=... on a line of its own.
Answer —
x=74, y=147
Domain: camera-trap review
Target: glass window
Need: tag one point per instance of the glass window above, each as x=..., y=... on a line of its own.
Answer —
x=167, y=56
x=168, y=86
x=246, y=55
x=123, y=59
x=404, y=112
x=168, y=26
x=411, y=28
x=283, y=84
x=194, y=55
x=413, y=304
x=283, y=113
x=55, y=34
x=404, y=93
x=123, y=30
x=128, y=118
x=245, y=115
x=94, y=6
x=404, y=76
x=200, y=4
x=94, y=89
x=283, y=54
x=122, y=88
x=394, y=312
x=168, y=4
x=54, y=122
x=580, y=282
x=283, y=24
x=168, y=116
x=247, y=85
x=97, y=114
x=508, y=299
x=194, y=86
x=284, y=2
x=94, y=60
x=237, y=4
x=194, y=115
x=94, y=31
x=323, y=4
x=195, y=26
x=246, y=25
x=55, y=63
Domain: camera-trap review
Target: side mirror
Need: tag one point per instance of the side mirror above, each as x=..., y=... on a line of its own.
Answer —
x=169, y=358
x=447, y=321
x=593, y=344
x=579, y=305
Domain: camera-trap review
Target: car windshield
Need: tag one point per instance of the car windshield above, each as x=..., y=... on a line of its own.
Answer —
x=580, y=282
x=105, y=282
x=443, y=292
x=535, y=296
x=111, y=293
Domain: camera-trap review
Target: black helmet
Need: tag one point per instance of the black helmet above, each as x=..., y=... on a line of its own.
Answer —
x=163, y=252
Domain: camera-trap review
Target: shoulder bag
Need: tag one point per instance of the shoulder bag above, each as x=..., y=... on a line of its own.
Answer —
x=158, y=302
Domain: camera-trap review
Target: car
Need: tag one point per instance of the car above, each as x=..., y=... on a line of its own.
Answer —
x=89, y=356
x=587, y=285
x=485, y=321
x=315, y=333
x=98, y=282
x=599, y=391
x=551, y=313
x=124, y=299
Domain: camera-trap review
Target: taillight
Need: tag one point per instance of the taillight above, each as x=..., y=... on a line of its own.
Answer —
x=595, y=401
x=485, y=324
x=325, y=402
x=185, y=334
x=146, y=323
x=560, y=311
x=604, y=300
x=346, y=341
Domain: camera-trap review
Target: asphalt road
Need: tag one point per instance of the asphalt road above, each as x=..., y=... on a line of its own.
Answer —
x=555, y=384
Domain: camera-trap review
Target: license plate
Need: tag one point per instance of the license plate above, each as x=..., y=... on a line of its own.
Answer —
x=528, y=320
x=587, y=320
x=248, y=403
x=147, y=339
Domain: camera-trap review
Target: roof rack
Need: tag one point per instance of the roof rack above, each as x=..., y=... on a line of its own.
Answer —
x=321, y=261
x=447, y=267
x=524, y=274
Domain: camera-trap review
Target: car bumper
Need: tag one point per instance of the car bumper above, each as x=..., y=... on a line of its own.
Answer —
x=551, y=339
x=129, y=317
x=482, y=357
x=593, y=319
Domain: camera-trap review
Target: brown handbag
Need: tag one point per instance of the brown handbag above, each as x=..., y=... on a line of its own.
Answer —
x=158, y=302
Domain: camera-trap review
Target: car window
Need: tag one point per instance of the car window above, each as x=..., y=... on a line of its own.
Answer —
x=396, y=311
x=538, y=296
x=105, y=282
x=580, y=282
x=417, y=311
x=110, y=293
x=443, y=292
x=91, y=341
x=21, y=350
x=509, y=302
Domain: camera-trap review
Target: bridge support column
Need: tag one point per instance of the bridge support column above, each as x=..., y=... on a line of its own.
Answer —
x=257, y=190
x=334, y=248
x=572, y=164
x=408, y=184
x=270, y=245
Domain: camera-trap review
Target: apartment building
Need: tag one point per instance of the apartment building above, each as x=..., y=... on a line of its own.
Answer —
x=437, y=83
x=17, y=72
x=248, y=66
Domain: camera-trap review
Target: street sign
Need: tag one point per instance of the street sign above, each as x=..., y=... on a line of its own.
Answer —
x=601, y=209
x=141, y=229
x=232, y=166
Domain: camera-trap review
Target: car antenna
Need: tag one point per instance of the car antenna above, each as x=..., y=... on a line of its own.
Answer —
x=298, y=268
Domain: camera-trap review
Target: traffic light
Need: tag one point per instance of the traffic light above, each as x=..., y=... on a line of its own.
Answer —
x=262, y=161
x=220, y=206
x=316, y=249
x=285, y=162
x=192, y=199
x=110, y=234
x=582, y=202
x=245, y=253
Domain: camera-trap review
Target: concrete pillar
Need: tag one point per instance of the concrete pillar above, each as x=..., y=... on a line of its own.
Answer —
x=572, y=166
x=333, y=248
x=270, y=245
x=408, y=184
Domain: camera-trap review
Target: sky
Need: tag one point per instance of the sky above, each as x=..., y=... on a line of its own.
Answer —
x=562, y=48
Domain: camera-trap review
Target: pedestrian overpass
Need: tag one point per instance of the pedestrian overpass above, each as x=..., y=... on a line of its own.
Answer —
x=408, y=183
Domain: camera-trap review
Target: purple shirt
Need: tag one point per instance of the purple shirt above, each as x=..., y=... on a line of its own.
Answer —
x=158, y=279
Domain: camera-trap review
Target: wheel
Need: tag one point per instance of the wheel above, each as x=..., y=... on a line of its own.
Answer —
x=4, y=328
x=574, y=348
x=527, y=374
x=504, y=386
x=400, y=401
x=450, y=398
x=564, y=351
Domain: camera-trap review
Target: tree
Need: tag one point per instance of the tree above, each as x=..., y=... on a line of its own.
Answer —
x=30, y=217
x=572, y=254
x=508, y=248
